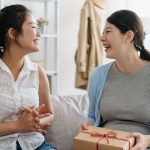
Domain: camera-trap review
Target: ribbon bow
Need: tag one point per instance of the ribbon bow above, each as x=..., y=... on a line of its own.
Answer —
x=106, y=136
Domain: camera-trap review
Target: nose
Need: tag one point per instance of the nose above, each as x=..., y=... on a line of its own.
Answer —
x=103, y=38
x=38, y=33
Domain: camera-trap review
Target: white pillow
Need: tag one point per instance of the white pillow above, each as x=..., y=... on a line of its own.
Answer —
x=70, y=112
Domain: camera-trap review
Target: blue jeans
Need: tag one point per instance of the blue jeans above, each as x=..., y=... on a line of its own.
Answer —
x=43, y=146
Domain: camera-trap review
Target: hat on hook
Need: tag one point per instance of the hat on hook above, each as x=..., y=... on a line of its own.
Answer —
x=99, y=3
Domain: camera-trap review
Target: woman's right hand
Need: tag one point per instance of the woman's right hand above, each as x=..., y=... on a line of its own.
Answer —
x=38, y=117
x=29, y=121
x=85, y=125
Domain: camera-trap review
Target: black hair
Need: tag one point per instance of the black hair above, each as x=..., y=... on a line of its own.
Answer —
x=126, y=20
x=12, y=16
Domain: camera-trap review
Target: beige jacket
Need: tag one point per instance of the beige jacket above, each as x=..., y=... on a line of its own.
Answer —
x=89, y=50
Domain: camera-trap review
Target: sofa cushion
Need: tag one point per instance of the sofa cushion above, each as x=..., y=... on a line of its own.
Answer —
x=70, y=112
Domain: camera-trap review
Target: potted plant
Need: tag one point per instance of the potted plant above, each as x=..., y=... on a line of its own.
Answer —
x=42, y=24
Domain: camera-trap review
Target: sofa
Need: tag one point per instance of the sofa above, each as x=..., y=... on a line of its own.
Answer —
x=70, y=112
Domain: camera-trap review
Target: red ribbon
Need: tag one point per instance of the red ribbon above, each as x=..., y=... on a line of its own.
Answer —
x=106, y=136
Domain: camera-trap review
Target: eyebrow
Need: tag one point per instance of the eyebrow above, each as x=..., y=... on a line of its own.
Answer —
x=31, y=22
x=107, y=28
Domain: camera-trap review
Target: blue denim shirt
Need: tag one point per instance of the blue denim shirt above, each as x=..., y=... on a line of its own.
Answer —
x=95, y=90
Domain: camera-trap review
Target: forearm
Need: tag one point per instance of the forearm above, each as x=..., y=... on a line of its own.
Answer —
x=8, y=127
x=47, y=120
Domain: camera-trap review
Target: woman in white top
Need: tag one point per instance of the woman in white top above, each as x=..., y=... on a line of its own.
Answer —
x=25, y=104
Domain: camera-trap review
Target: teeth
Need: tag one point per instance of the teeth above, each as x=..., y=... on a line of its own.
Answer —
x=36, y=40
x=107, y=46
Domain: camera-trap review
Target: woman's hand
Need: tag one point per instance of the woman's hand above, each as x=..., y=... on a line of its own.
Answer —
x=85, y=125
x=33, y=119
x=27, y=123
x=142, y=141
x=36, y=111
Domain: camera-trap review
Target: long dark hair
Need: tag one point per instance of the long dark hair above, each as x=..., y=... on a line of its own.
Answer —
x=126, y=20
x=12, y=16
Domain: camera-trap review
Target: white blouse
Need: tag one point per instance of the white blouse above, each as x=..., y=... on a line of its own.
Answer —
x=14, y=95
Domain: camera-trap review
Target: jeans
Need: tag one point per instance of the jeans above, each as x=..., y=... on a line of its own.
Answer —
x=43, y=146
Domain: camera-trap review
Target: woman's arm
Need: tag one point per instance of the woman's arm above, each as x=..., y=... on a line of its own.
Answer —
x=92, y=97
x=45, y=98
x=8, y=127
x=26, y=123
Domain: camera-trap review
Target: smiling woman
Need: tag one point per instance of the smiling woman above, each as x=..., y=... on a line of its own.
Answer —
x=25, y=103
x=119, y=91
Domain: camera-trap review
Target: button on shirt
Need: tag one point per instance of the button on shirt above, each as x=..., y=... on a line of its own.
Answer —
x=14, y=95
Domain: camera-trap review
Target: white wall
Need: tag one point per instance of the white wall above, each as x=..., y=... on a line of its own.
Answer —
x=68, y=30
x=69, y=26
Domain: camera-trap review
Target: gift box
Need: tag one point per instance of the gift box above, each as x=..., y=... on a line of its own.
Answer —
x=96, y=138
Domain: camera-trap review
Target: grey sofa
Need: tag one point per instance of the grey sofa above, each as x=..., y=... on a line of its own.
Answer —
x=70, y=112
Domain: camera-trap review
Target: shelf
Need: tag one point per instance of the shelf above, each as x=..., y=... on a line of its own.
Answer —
x=51, y=73
x=52, y=78
x=49, y=35
x=36, y=0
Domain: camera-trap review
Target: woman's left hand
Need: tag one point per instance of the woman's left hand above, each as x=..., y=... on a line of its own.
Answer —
x=35, y=111
x=39, y=118
x=141, y=141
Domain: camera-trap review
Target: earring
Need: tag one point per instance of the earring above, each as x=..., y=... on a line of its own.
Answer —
x=1, y=49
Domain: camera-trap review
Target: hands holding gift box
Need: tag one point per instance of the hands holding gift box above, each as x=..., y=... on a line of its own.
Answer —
x=95, y=138
x=112, y=139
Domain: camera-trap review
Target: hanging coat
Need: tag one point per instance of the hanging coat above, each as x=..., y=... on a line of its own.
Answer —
x=89, y=50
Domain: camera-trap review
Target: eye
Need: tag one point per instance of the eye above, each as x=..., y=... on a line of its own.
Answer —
x=106, y=32
x=34, y=27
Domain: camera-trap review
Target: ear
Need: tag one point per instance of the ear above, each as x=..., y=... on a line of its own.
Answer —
x=129, y=36
x=11, y=33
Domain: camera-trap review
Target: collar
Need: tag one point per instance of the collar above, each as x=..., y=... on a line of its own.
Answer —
x=28, y=65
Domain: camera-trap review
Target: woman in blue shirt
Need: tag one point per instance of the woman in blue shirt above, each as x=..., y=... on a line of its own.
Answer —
x=119, y=91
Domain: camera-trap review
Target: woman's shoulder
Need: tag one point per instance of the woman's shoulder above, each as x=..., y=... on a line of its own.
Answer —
x=29, y=64
x=102, y=69
x=99, y=74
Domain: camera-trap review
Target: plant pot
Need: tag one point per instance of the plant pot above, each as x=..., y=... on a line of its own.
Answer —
x=43, y=29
